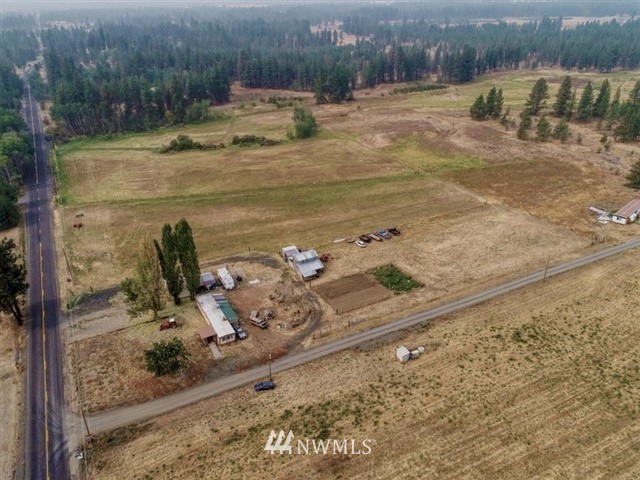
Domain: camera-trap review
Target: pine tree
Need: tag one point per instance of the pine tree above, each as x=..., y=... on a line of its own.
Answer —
x=613, y=115
x=491, y=102
x=561, y=131
x=572, y=105
x=563, y=99
x=543, y=130
x=601, y=105
x=499, y=103
x=525, y=125
x=13, y=280
x=634, y=176
x=585, y=106
x=188, y=256
x=479, y=109
x=538, y=97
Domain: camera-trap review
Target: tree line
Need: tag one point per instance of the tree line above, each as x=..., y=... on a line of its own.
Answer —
x=15, y=147
x=143, y=72
x=620, y=117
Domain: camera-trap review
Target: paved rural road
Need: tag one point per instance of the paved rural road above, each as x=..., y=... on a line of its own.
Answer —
x=123, y=416
x=45, y=452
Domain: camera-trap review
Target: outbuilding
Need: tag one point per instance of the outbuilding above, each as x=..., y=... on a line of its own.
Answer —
x=627, y=214
x=308, y=264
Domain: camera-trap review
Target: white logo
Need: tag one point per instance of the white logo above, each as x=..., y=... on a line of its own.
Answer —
x=281, y=445
x=281, y=442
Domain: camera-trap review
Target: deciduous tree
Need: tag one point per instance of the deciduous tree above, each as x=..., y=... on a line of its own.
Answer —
x=166, y=357
x=188, y=256
x=145, y=291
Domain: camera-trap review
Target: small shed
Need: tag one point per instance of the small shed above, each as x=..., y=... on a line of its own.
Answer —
x=627, y=214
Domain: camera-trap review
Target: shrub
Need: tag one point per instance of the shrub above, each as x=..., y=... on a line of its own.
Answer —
x=304, y=123
x=182, y=143
x=166, y=358
x=253, y=140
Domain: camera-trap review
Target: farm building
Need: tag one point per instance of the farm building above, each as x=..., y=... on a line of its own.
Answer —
x=627, y=214
x=222, y=329
x=307, y=264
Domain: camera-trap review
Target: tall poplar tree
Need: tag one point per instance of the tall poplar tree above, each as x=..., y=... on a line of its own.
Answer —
x=188, y=256
x=169, y=259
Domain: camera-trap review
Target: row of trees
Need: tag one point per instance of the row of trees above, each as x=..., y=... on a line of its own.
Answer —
x=15, y=148
x=620, y=117
x=489, y=108
x=161, y=267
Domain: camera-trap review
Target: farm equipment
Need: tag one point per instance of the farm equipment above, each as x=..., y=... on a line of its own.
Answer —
x=169, y=324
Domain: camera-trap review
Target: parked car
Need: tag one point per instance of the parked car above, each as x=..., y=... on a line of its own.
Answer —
x=364, y=238
x=262, y=386
x=361, y=244
x=394, y=230
x=375, y=237
x=385, y=234
x=240, y=332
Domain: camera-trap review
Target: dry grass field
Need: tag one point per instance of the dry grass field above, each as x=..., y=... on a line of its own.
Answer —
x=476, y=207
x=542, y=383
x=383, y=159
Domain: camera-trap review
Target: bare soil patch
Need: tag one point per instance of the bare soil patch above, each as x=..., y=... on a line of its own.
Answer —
x=352, y=292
